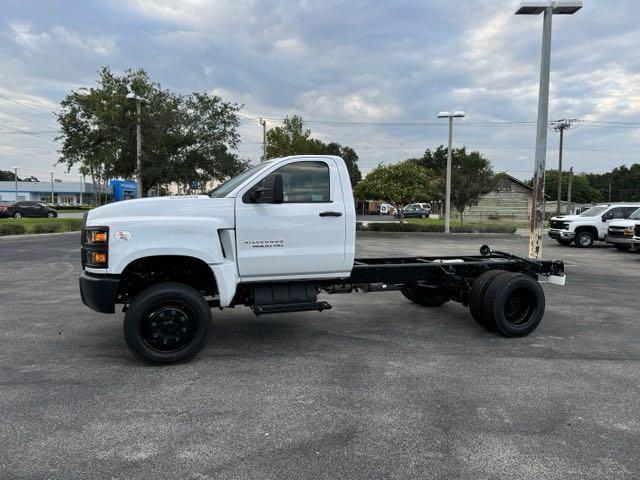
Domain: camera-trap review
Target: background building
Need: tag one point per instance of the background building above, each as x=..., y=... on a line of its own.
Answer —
x=64, y=193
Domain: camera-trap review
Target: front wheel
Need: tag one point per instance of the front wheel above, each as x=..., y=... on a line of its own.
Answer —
x=425, y=296
x=167, y=323
x=51, y=215
x=17, y=215
x=584, y=239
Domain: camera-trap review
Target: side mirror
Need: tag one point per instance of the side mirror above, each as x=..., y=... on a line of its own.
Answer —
x=607, y=216
x=270, y=191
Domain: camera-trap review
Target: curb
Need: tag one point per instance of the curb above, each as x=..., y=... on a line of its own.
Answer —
x=31, y=235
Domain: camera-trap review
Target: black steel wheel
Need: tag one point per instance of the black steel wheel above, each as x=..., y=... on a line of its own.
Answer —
x=476, y=295
x=514, y=304
x=425, y=296
x=167, y=323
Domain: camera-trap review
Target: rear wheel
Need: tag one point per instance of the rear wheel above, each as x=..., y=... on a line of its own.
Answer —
x=514, y=304
x=17, y=215
x=584, y=239
x=477, y=292
x=425, y=296
x=167, y=323
x=51, y=215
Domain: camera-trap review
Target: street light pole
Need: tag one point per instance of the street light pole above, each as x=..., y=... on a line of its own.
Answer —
x=566, y=7
x=81, y=187
x=15, y=170
x=51, y=173
x=447, y=215
x=138, y=99
x=139, y=146
x=264, y=139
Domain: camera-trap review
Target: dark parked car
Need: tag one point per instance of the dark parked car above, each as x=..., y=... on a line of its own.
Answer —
x=27, y=209
x=415, y=211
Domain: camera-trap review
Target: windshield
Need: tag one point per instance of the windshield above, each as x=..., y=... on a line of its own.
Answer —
x=635, y=215
x=227, y=187
x=593, y=211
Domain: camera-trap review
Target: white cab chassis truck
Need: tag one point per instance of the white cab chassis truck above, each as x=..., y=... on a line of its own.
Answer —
x=272, y=238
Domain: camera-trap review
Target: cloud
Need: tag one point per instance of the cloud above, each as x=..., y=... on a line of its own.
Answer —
x=362, y=61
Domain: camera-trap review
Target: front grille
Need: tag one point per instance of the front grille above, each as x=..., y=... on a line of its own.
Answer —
x=615, y=231
x=559, y=224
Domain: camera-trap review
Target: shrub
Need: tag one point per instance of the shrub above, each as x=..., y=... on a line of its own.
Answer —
x=416, y=227
x=49, y=227
x=11, y=229
x=71, y=225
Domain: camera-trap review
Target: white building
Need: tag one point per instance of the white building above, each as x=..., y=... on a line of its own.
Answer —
x=64, y=193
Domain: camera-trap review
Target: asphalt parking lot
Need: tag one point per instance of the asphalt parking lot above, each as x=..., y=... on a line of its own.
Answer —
x=375, y=388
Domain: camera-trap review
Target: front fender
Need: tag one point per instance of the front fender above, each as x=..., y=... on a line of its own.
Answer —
x=151, y=236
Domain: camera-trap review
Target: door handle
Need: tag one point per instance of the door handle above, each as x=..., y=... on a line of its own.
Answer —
x=330, y=214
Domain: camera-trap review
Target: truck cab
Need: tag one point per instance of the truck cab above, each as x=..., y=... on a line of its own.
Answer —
x=589, y=226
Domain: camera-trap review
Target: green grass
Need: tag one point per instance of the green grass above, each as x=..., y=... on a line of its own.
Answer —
x=11, y=226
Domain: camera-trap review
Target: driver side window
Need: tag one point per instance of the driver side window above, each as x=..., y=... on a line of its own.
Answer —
x=304, y=182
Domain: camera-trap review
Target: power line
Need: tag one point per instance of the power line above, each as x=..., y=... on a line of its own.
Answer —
x=25, y=104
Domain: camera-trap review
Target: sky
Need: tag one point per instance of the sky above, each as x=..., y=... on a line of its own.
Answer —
x=369, y=74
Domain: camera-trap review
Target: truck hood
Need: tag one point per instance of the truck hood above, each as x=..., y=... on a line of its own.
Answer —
x=185, y=206
x=624, y=223
x=568, y=218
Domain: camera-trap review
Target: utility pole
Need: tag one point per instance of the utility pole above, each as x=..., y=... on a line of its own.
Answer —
x=569, y=191
x=561, y=126
x=609, y=189
x=548, y=9
x=81, y=187
x=51, y=173
x=264, y=139
x=447, y=215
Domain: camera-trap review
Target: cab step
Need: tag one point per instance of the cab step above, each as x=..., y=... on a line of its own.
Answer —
x=290, y=307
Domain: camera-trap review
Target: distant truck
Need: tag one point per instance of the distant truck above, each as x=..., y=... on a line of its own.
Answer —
x=271, y=239
x=590, y=226
x=621, y=232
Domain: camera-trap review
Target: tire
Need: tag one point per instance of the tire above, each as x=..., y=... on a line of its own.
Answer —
x=51, y=215
x=477, y=292
x=159, y=316
x=423, y=216
x=514, y=304
x=623, y=247
x=425, y=296
x=584, y=239
x=17, y=215
x=564, y=242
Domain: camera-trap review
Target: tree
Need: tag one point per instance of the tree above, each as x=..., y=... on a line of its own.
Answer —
x=6, y=175
x=397, y=184
x=581, y=190
x=185, y=138
x=472, y=176
x=293, y=139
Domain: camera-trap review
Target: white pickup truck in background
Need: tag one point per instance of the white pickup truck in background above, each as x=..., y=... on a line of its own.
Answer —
x=272, y=238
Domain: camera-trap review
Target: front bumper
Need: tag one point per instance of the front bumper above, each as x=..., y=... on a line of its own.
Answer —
x=620, y=240
x=99, y=292
x=561, y=234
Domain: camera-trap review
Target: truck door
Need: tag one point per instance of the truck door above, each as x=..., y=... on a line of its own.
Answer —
x=303, y=235
x=615, y=213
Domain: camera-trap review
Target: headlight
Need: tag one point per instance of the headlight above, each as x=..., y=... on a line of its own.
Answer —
x=628, y=232
x=95, y=247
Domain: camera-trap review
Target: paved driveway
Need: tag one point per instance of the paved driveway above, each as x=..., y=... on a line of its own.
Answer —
x=375, y=388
